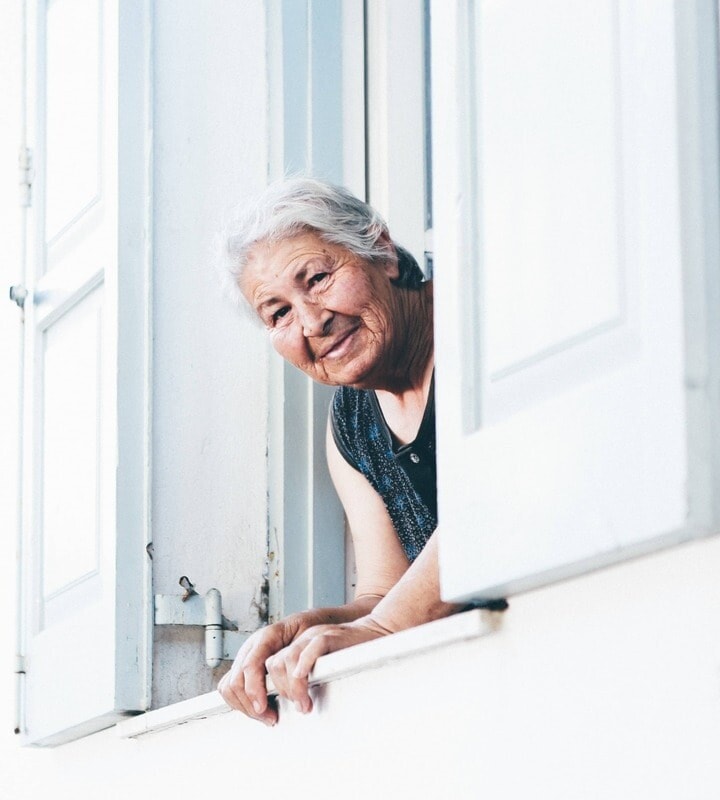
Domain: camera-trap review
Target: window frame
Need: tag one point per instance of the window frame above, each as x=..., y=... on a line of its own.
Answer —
x=397, y=115
x=315, y=51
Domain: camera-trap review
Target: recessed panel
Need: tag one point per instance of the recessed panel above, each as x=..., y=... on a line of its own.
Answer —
x=73, y=111
x=70, y=446
x=549, y=177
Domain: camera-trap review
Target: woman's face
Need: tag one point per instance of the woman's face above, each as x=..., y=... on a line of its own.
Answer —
x=329, y=312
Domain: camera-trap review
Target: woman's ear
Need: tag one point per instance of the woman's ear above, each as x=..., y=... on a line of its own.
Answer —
x=390, y=264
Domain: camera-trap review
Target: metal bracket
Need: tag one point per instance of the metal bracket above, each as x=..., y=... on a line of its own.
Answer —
x=222, y=638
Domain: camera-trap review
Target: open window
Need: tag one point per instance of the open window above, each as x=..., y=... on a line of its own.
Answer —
x=350, y=103
x=317, y=127
x=162, y=439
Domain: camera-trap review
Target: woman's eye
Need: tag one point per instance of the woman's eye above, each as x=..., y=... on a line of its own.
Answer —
x=317, y=278
x=279, y=314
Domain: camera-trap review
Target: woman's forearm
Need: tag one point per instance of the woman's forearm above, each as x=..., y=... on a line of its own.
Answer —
x=415, y=598
x=336, y=615
x=290, y=648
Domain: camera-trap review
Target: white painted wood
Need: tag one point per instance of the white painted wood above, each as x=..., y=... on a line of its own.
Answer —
x=85, y=482
x=342, y=664
x=203, y=706
x=697, y=35
x=396, y=119
x=564, y=435
x=317, y=127
x=71, y=396
x=210, y=364
x=440, y=633
x=73, y=113
x=353, y=97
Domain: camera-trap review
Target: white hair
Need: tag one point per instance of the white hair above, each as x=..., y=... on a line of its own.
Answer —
x=296, y=205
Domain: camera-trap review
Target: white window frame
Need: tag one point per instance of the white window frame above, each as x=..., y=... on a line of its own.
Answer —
x=315, y=53
x=396, y=97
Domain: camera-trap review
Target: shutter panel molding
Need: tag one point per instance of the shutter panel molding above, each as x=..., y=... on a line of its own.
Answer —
x=577, y=286
x=86, y=594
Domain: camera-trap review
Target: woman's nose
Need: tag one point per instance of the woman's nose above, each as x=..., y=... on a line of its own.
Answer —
x=316, y=321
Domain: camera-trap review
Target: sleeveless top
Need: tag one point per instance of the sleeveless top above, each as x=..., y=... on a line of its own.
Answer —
x=403, y=475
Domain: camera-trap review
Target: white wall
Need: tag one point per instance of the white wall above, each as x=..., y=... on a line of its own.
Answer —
x=607, y=686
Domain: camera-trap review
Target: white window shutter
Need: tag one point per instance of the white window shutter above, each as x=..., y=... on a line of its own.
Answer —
x=574, y=264
x=85, y=577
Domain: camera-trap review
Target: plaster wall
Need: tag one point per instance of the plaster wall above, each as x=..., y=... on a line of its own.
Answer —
x=607, y=686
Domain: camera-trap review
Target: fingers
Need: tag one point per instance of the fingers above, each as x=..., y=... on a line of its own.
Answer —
x=254, y=682
x=233, y=693
x=289, y=662
x=281, y=667
x=243, y=687
x=319, y=646
x=291, y=667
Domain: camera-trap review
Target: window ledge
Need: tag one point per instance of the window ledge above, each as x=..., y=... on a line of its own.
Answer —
x=362, y=657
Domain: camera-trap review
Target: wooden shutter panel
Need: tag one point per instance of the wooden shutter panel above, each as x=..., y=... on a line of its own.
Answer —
x=86, y=587
x=574, y=282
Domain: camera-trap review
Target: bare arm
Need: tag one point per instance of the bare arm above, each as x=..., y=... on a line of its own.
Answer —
x=381, y=563
x=243, y=687
x=415, y=599
x=406, y=596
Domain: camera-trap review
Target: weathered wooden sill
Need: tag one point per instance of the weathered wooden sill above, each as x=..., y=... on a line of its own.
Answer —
x=371, y=655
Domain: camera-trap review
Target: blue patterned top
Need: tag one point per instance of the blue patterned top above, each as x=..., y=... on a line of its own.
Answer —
x=403, y=475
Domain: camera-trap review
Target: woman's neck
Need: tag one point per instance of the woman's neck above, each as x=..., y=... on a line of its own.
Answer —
x=407, y=366
x=404, y=392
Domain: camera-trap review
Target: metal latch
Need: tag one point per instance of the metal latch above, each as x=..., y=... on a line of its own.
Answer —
x=222, y=638
x=26, y=176
x=18, y=294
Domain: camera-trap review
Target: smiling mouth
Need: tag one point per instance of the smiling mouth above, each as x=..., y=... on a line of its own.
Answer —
x=339, y=346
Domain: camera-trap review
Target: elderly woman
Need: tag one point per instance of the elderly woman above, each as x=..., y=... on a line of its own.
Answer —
x=350, y=308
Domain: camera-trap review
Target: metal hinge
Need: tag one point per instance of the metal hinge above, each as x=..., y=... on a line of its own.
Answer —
x=222, y=638
x=26, y=176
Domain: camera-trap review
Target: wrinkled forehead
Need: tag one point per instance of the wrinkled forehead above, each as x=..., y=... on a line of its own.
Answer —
x=273, y=264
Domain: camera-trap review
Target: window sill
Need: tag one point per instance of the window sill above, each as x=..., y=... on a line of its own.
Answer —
x=371, y=655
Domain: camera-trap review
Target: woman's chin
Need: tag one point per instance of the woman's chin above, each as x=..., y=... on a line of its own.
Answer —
x=353, y=374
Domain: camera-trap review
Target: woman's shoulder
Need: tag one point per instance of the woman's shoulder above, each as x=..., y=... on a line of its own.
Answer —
x=350, y=412
x=345, y=398
x=350, y=406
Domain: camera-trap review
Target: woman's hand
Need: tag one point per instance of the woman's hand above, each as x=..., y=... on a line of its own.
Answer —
x=243, y=687
x=289, y=669
x=413, y=600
